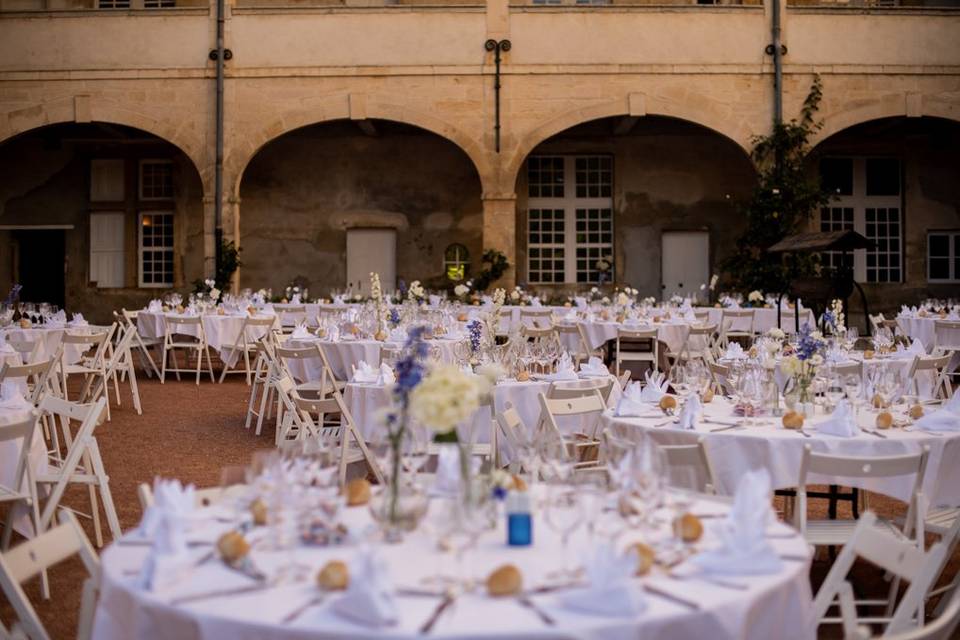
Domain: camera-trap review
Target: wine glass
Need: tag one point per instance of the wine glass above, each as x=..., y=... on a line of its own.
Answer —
x=558, y=464
x=834, y=391
x=853, y=385
x=564, y=516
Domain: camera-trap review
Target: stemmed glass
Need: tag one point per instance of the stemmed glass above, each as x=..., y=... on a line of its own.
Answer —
x=564, y=516
x=834, y=391
x=853, y=385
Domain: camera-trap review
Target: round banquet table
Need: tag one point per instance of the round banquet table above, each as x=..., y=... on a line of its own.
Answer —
x=732, y=452
x=768, y=606
x=673, y=333
x=345, y=355
x=221, y=330
x=48, y=338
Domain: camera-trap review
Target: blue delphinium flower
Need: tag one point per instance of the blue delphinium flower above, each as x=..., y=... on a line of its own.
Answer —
x=808, y=344
x=394, y=317
x=476, y=332
x=14, y=292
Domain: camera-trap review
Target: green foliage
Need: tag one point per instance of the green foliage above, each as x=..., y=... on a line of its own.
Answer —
x=229, y=263
x=493, y=265
x=785, y=197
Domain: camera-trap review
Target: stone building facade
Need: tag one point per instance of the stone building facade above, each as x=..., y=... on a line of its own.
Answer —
x=358, y=116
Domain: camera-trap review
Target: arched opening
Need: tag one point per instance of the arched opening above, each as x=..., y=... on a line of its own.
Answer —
x=630, y=200
x=98, y=216
x=331, y=202
x=895, y=181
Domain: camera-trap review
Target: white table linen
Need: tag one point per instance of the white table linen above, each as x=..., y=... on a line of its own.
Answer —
x=220, y=330
x=735, y=451
x=771, y=606
x=10, y=455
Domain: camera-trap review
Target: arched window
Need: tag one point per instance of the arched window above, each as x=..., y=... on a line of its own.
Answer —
x=456, y=262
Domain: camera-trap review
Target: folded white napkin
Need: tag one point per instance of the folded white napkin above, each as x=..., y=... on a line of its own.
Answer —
x=11, y=398
x=398, y=335
x=535, y=302
x=369, y=599
x=947, y=418
x=165, y=524
x=630, y=404
x=611, y=590
x=386, y=375
x=744, y=548
x=734, y=352
x=690, y=412
x=655, y=389
x=295, y=299
x=364, y=373
x=581, y=302
x=840, y=423
x=435, y=300
x=155, y=306
x=916, y=348
x=565, y=370
x=594, y=367
x=78, y=321
x=300, y=332
x=338, y=299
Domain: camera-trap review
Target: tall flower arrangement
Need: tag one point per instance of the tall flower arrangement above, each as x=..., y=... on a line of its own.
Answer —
x=802, y=365
x=833, y=318
x=376, y=294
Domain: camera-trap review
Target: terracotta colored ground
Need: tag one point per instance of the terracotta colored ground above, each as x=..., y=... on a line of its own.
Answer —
x=189, y=433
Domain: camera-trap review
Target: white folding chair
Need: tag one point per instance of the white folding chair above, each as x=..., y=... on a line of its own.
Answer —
x=37, y=377
x=177, y=330
x=202, y=497
x=26, y=348
x=81, y=465
x=252, y=330
x=943, y=627
x=838, y=532
x=577, y=334
x=34, y=557
x=946, y=337
x=694, y=458
x=143, y=344
x=699, y=344
x=731, y=318
x=93, y=368
x=645, y=338
x=22, y=494
x=563, y=389
x=290, y=315
x=718, y=379
x=266, y=370
x=899, y=558
x=536, y=318
x=937, y=367
x=584, y=445
x=119, y=365
x=514, y=432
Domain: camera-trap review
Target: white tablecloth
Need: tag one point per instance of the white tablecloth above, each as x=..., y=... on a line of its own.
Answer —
x=779, y=450
x=772, y=606
x=221, y=330
x=10, y=456
x=48, y=339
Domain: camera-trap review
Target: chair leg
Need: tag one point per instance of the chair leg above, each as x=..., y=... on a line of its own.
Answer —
x=134, y=389
x=103, y=483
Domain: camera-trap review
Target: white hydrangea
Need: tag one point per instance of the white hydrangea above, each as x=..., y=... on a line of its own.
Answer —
x=755, y=296
x=461, y=290
x=445, y=398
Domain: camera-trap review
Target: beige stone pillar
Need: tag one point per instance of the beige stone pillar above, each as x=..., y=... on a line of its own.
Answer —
x=500, y=231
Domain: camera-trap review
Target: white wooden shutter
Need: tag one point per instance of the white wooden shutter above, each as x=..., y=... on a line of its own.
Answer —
x=106, y=249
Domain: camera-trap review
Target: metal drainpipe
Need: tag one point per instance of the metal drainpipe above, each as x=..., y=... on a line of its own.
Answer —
x=220, y=54
x=777, y=65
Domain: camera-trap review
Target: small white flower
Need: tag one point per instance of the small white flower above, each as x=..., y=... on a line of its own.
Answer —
x=605, y=300
x=816, y=360
x=461, y=290
x=594, y=290
x=514, y=295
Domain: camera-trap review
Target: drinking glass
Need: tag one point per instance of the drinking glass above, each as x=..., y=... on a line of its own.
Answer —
x=564, y=516
x=834, y=391
x=853, y=385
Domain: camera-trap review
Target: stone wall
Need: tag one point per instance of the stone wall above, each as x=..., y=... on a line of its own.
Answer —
x=302, y=192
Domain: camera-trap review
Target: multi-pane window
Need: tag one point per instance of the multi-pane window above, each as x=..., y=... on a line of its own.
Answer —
x=866, y=198
x=156, y=180
x=159, y=4
x=456, y=261
x=156, y=249
x=569, y=228
x=113, y=4
x=943, y=256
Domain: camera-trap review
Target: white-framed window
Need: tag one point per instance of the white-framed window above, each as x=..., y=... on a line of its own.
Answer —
x=867, y=198
x=569, y=217
x=156, y=180
x=943, y=256
x=113, y=4
x=156, y=248
x=456, y=261
x=106, y=249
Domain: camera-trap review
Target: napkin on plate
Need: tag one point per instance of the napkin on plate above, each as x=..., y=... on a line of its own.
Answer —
x=364, y=373
x=295, y=299
x=915, y=349
x=594, y=367
x=300, y=332
x=78, y=321
x=734, y=352
x=840, y=423
x=581, y=302
x=690, y=412
x=630, y=404
x=164, y=522
x=656, y=387
x=155, y=306
x=610, y=589
x=535, y=302
x=744, y=548
x=947, y=418
x=565, y=370
x=369, y=599
x=11, y=398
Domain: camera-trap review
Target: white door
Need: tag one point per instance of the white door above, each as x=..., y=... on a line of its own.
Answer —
x=371, y=251
x=684, y=262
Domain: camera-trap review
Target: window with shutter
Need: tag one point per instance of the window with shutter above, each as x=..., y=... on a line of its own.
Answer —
x=106, y=249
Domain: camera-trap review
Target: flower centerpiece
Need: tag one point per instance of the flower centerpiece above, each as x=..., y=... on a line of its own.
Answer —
x=755, y=298
x=603, y=267
x=802, y=366
x=376, y=294
x=461, y=290
x=416, y=293
x=833, y=319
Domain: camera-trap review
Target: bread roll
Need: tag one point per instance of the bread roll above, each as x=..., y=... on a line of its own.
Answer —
x=519, y=484
x=688, y=527
x=868, y=354
x=916, y=412
x=333, y=576
x=505, y=581
x=792, y=420
x=668, y=403
x=258, y=509
x=708, y=395
x=884, y=420
x=358, y=492
x=523, y=376
x=645, y=558
x=232, y=546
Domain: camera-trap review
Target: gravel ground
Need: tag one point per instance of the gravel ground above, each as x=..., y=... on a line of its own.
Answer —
x=190, y=432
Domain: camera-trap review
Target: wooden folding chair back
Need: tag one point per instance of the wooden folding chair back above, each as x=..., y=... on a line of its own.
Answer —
x=937, y=366
x=31, y=558
x=693, y=456
x=563, y=389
